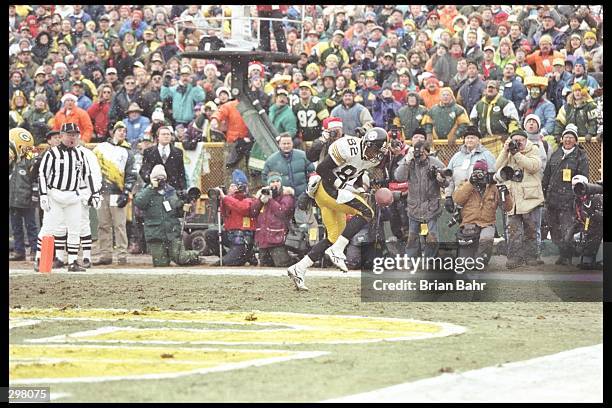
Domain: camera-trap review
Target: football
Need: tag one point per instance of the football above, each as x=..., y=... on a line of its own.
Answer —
x=384, y=197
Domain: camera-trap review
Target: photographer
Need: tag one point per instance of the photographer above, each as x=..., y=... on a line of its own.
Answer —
x=479, y=198
x=565, y=163
x=518, y=167
x=273, y=210
x=162, y=209
x=589, y=220
x=463, y=161
x=423, y=202
x=239, y=226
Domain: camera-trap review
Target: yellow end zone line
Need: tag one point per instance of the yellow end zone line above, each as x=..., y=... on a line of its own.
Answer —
x=446, y=328
x=223, y=367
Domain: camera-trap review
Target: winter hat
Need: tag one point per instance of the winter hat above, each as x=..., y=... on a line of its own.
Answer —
x=238, y=177
x=69, y=96
x=158, y=115
x=274, y=176
x=571, y=129
x=223, y=89
x=332, y=122
x=157, y=172
x=590, y=34
x=119, y=125
x=534, y=117
x=472, y=130
x=580, y=61
x=481, y=165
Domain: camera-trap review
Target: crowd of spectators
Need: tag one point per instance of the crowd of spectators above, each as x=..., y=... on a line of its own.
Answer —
x=439, y=69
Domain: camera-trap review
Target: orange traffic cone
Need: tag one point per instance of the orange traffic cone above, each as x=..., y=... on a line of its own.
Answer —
x=46, y=254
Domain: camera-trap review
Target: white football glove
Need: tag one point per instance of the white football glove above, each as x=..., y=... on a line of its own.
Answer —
x=313, y=185
x=44, y=203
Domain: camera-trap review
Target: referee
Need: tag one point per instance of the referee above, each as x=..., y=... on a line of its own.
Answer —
x=63, y=169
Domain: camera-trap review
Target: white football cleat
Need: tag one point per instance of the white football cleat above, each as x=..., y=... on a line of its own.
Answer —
x=296, y=273
x=337, y=258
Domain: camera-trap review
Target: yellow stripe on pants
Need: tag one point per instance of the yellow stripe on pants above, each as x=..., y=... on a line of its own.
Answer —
x=333, y=213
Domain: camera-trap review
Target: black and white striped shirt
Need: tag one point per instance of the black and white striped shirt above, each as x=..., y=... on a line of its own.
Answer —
x=64, y=169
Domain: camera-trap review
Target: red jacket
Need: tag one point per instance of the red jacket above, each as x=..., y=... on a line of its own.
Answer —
x=99, y=114
x=235, y=210
x=283, y=8
x=273, y=219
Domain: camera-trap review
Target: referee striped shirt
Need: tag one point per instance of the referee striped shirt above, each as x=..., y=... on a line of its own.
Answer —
x=64, y=169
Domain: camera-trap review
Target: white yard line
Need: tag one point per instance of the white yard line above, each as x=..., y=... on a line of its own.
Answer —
x=329, y=273
x=570, y=376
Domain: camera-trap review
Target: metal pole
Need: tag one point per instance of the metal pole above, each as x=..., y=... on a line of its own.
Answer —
x=302, y=37
x=220, y=235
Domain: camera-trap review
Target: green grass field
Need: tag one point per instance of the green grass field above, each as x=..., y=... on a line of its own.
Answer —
x=496, y=333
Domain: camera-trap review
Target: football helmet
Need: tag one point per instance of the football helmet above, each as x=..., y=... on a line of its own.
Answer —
x=21, y=142
x=375, y=144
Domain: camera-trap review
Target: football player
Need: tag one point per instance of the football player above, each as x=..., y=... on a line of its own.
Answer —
x=334, y=192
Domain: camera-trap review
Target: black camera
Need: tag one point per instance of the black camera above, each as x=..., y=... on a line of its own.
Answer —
x=434, y=171
x=507, y=173
x=161, y=183
x=214, y=194
x=582, y=189
x=191, y=194
x=514, y=146
x=265, y=191
x=455, y=217
x=483, y=178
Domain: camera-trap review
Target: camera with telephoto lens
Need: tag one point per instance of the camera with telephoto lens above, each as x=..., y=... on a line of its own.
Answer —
x=191, y=194
x=482, y=177
x=456, y=217
x=394, y=135
x=161, y=183
x=514, y=146
x=507, y=173
x=582, y=189
x=213, y=193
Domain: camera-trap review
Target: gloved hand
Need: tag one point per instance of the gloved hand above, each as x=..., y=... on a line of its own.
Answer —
x=324, y=136
x=95, y=201
x=338, y=183
x=154, y=183
x=503, y=189
x=473, y=180
x=440, y=178
x=360, y=131
x=122, y=200
x=449, y=204
x=264, y=198
x=44, y=203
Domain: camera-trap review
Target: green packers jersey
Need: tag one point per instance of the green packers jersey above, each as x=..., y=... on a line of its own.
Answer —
x=310, y=117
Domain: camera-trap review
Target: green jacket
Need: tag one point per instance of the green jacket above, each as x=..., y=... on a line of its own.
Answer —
x=159, y=224
x=496, y=117
x=283, y=119
x=410, y=118
x=183, y=103
x=584, y=117
x=294, y=169
x=20, y=184
x=445, y=121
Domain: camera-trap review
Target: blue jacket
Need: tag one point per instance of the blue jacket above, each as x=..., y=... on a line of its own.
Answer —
x=127, y=26
x=383, y=112
x=462, y=164
x=183, y=103
x=136, y=128
x=84, y=102
x=470, y=93
x=515, y=91
x=547, y=113
x=591, y=84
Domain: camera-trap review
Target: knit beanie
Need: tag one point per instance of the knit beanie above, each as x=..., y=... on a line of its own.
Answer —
x=158, y=171
x=272, y=177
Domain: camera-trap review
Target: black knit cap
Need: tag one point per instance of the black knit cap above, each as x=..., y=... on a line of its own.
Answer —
x=472, y=131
